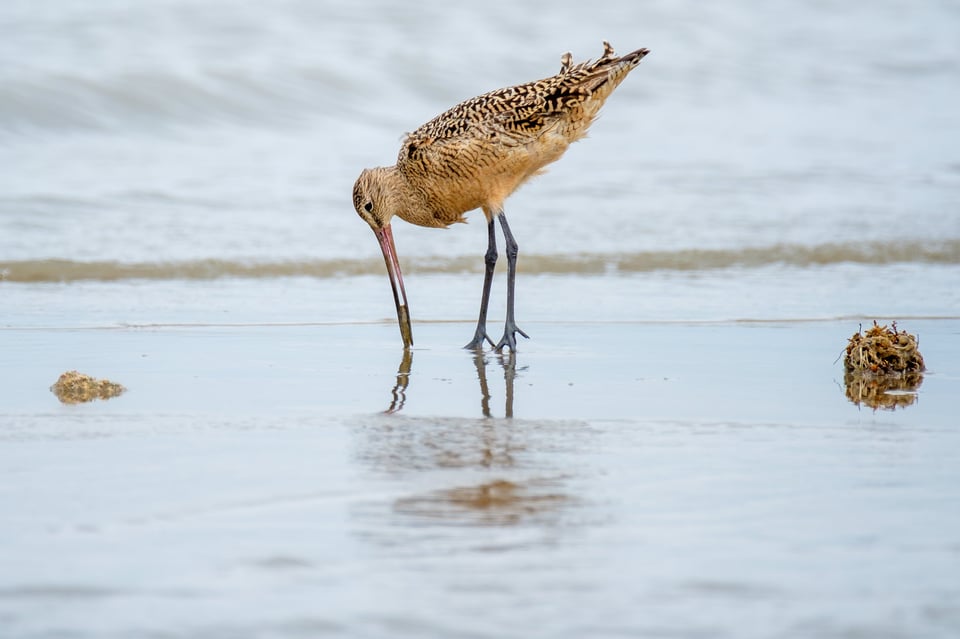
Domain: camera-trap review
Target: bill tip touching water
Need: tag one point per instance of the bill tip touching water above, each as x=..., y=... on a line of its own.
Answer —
x=474, y=156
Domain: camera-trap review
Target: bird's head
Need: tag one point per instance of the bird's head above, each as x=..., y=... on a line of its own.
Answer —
x=372, y=197
x=374, y=202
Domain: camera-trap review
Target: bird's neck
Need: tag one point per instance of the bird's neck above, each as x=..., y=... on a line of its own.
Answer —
x=407, y=202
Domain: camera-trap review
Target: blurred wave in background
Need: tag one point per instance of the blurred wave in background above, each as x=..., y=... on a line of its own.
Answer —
x=186, y=139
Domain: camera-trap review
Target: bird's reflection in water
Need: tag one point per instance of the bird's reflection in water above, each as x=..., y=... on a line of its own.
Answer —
x=495, y=503
x=395, y=444
x=482, y=457
x=472, y=471
x=403, y=380
x=507, y=362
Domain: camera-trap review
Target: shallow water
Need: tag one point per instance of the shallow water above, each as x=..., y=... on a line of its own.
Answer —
x=673, y=454
x=654, y=479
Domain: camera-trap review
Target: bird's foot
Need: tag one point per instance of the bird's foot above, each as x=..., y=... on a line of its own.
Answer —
x=509, y=339
x=476, y=344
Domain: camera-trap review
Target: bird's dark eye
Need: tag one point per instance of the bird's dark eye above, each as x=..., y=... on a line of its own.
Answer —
x=368, y=207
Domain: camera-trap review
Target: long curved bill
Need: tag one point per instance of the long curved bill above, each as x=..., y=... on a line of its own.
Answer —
x=385, y=238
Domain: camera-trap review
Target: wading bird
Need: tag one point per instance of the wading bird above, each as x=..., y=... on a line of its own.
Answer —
x=474, y=156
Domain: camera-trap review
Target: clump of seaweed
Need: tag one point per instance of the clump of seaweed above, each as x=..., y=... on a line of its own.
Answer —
x=883, y=367
x=883, y=351
x=75, y=388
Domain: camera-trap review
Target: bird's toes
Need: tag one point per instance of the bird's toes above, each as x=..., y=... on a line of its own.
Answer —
x=476, y=344
x=509, y=339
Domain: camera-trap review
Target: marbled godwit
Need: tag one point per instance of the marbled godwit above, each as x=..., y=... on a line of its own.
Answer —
x=474, y=156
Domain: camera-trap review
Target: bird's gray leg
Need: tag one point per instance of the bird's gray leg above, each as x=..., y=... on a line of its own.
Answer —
x=510, y=328
x=490, y=261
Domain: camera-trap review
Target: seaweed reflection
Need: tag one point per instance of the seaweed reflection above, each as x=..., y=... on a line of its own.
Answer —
x=884, y=392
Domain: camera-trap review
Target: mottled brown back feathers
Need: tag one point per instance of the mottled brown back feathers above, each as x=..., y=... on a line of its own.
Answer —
x=477, y=153
x=527, y=107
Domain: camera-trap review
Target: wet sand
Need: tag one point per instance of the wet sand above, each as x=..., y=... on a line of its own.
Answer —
x=611, y=479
